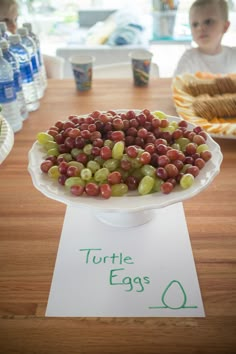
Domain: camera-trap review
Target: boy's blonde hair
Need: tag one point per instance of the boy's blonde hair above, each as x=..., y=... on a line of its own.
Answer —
x=221, y=4
x=5, y=5
x=9, y=10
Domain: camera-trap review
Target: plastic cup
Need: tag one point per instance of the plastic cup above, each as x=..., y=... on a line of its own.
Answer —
x=82, y=67
x=141, y=63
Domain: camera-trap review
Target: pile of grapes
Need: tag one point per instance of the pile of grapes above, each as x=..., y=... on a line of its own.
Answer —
x=110, y=153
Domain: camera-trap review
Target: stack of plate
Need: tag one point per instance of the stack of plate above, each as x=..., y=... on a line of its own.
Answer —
x=6, y=139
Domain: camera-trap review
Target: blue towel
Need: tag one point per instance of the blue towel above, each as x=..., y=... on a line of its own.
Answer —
x=128, y=27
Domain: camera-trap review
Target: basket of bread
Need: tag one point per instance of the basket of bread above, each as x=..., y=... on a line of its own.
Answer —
x=208, y=100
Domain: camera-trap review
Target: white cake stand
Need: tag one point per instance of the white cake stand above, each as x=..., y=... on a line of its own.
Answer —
x=130, y=210
x=6, y=140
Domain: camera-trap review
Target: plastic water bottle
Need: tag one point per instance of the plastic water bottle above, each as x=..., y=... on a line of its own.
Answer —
x=28, y=84
x=10, y=107
x=36, y=40
x=17, y=77
x=31, y=47
x=3, y=30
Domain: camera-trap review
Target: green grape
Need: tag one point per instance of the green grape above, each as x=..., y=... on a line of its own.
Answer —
x=148, y=170
x=53, y=172
x=66, y=156
x=118, y=190
x=92, y=179
x=75, y=151
x=86, y=174
x=50, y=145
x=202, y=147
x=88, y=149
x=126, y=158
x=43, y=138
x=186, y=181
x=135, y=163
x=101, y=175
x=93, y=166
x=124, y=174
x=137, y=173
x=102, y=182
x=77, y=164
x=99, y=160
x=182, y=143
x=109, y=143
x=185, y=167
x=118, y=150
x=53, y=152
x=176, y=146
x=111, y=164
x=174, y=124
x=169, y=129
x=145, y=185
x=140, y=151
x=157, y=185
x=72, y=181
x=160, y=114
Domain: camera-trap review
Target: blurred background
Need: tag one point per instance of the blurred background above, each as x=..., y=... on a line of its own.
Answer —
x=87, y=24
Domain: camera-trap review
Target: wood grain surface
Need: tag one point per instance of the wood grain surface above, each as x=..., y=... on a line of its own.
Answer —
x=30, y=228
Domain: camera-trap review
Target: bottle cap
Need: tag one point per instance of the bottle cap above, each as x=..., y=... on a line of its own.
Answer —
x=14, y=38
x=22, y=31
x=3, y=26
x=3, y=43
x=28, y=25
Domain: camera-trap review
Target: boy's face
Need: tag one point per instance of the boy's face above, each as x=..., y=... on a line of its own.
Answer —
x=208, y=28
x=10, y=18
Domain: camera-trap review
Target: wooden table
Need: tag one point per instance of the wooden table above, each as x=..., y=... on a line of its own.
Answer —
x=30, y=228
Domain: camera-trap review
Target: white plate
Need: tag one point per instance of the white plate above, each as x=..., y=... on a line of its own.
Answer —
x=132, y=202
x=6, y=140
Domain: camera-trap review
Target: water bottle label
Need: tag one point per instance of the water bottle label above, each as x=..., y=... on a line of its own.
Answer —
x=17, y=81
x=26, y=72
x=7, y=92
x=34, y=64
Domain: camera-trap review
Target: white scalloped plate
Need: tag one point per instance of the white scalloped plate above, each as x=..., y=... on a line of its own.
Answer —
x=132, y=202
x=6, y=140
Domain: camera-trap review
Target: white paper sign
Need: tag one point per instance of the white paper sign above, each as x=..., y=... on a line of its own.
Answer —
x=104, y=271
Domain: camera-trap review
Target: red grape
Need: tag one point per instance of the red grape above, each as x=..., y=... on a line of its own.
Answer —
x=77, y=190
x=45, y=165
x=145, y=158
x=105, y=153
x=105, y=191
x=132, y=151
x=114, y=177
x=172, y=170
x=166, y=187
x=92, y=189
x=206, y=155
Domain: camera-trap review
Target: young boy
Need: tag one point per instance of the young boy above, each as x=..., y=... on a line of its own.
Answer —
x=9, y=14
x=209, y=22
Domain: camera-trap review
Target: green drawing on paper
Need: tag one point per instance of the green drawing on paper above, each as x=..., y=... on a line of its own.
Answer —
x=117, y=276
x=164, y=301
x=133, y=283
x=92, y=257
